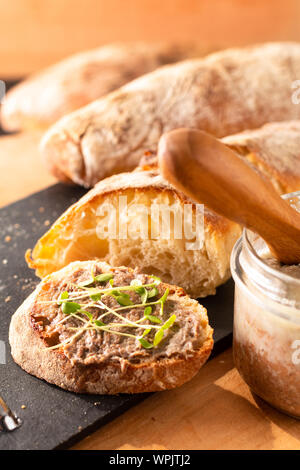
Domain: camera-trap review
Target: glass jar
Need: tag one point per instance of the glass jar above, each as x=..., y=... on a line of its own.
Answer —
x=266, y=338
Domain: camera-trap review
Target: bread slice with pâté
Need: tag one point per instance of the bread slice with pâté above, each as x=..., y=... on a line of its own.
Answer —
x=93, y=328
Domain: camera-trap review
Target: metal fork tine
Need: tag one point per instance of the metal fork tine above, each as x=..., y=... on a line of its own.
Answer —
x=8, y=420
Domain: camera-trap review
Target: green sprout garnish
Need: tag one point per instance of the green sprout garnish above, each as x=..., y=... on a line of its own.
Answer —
x=95, y=297
x=152, y=318
x=124, y=299
x=90, y=295
x=70, y=307
x=63, y=296
x=152, y=293
x=160, y=333
x=145, y=343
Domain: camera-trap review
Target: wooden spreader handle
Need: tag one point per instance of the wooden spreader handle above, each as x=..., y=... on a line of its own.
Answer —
x=209, y=172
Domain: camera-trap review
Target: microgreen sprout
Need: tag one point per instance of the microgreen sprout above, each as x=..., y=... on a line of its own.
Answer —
x=160, y=333
x=70, y=307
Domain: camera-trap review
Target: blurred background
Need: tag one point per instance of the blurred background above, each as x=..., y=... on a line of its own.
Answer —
x=35, y=33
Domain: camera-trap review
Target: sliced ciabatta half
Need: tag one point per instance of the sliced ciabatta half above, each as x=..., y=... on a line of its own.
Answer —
x=92, y=328
x=198, y=264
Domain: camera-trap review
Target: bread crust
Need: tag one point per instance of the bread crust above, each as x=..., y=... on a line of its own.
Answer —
x=49, y=254
x=28, y=350
x=274, y=150
x=223, y=94
x=43, y=98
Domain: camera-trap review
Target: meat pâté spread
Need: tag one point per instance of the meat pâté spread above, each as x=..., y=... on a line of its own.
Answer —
x=97, y=315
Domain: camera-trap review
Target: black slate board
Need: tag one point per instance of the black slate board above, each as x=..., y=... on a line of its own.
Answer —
x=54, y=418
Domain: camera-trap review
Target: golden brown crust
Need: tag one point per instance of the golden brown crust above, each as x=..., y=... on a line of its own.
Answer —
x=224, y=93
x=60, y=89
x=274, y=149
x=29, y=351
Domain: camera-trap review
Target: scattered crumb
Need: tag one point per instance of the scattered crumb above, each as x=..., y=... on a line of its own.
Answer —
x=4, y=261
x=97, y=403
x=15, y=276
x=23, y=407
x=47, y=222
x=42, y=209
x=7, y=238
x=8, y=299
x=79, y=428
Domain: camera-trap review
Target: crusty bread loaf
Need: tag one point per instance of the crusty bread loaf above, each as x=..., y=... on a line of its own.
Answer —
x=75, y=235
x=98, y=361
x=224, y=93
x=274, y=150
x=46, y=96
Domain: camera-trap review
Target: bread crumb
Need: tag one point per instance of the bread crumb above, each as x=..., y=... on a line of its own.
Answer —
x=23, y=407
x=79, y=428
x=42, y=209
x=7, y=238
x=4, y=261
x=47, y=222
x=8, y=298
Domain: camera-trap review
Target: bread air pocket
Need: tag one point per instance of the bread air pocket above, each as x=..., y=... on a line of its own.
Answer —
x=139, y=220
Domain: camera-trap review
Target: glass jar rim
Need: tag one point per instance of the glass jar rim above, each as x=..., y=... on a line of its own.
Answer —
x=282, y=276
x=263, y=282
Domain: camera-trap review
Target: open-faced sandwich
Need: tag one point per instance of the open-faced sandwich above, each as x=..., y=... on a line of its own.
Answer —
x=92, y=328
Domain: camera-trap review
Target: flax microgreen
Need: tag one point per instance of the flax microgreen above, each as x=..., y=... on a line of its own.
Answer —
x=104, y=277
x=70, y=307
x=124, y=299
x=152, y=292
x=160, y=333
x=148, y=316
x=63, y=296
x=145, y=343
x=96, y=297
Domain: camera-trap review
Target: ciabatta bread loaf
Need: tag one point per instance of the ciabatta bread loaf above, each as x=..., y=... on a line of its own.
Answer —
x=224, y=93
x=123, y=204
x=48, y=95
x=274, y=150
x=123, y=333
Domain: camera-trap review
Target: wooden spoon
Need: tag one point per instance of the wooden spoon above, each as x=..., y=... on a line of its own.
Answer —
x=209, y=172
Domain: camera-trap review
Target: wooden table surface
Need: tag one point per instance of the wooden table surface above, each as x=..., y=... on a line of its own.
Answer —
x=213, y=411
